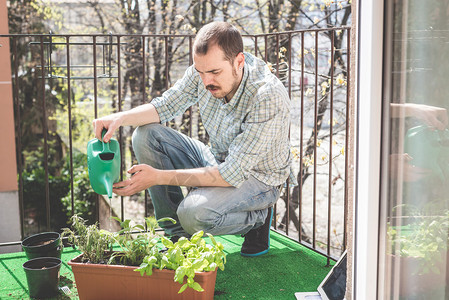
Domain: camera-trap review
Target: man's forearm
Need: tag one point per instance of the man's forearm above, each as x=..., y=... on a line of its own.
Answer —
x=141, y=115
x=207, y=176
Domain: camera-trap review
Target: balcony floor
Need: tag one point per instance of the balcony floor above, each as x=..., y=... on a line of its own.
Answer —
x=286, y=269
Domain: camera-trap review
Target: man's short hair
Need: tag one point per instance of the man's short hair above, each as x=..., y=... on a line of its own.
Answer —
x=223, y=34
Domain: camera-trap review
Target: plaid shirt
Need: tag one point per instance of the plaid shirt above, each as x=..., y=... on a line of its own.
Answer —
x=249, y=134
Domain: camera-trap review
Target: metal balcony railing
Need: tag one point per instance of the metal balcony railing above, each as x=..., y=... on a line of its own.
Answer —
x=61, y=82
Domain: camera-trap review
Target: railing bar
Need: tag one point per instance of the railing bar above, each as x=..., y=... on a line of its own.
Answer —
x=146, y=205
x=166, y=62
x=277, y=75
x=277, y=55
x=78, y=77
x=266, y=48
x=74, y=66
x=143, y=70
x=18, y=135
x=120, y=131
x=190, y=50
x=76, y=43
x=315, y=138
x=176, y=35
x=331, y=132
x=94, y=50
x=69, y=110
x=144, y=99
x=301, y=142
x=255, y=46
x=103, y=57
x=94, y=54
x=44, y=128
x=190, y=63
x=49, y=55
x=289, y=66
x=348, y=119
x=289, y=96
x=110, y=55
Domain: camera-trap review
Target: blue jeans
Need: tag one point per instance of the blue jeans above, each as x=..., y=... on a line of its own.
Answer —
x=216, y=210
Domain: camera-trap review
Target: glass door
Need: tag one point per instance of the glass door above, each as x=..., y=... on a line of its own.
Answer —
x=414, y=213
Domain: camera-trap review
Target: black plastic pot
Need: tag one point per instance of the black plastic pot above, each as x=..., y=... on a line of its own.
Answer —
x=42, y=276
x=45, y=244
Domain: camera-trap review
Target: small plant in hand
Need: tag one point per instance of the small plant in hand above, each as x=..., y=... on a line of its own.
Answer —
x=142, y=246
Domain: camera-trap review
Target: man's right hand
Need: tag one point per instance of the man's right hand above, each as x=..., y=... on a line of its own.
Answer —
x=140, y=115
x=111, y=123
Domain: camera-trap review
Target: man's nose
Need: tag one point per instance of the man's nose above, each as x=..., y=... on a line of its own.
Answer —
x=208, y=79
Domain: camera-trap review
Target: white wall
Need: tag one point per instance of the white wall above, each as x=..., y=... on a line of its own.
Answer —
x=369, y=104
x=9, y=225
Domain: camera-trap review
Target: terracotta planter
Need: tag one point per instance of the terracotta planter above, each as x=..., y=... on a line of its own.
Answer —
x=97, y=281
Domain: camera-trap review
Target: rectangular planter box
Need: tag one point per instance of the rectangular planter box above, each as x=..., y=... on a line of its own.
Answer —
x=97, y=281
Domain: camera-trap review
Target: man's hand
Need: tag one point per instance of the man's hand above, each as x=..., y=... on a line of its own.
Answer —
x=142, y=177
x=111, y=123
x=433, y=116
x=140, y=115
x=403, y=164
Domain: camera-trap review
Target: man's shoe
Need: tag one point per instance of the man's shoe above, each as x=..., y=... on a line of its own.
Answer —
x=257, y=241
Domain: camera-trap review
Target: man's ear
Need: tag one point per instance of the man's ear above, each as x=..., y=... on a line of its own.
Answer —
x=240, y=60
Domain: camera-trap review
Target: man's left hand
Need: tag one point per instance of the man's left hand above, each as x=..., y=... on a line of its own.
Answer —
x=142, y=177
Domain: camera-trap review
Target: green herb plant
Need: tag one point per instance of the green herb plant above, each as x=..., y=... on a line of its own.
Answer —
x=186, y=257
x=135, y=241
x=95, y=243
x=426, y=239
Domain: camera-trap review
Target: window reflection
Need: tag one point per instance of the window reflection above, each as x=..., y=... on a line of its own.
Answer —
x=415, y=219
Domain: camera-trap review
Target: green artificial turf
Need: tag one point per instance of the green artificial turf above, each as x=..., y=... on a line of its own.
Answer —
x=287, y=268
x=13, y=283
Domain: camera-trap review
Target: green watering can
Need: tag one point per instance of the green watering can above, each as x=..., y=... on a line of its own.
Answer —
x=103, y=161
x=429, y=148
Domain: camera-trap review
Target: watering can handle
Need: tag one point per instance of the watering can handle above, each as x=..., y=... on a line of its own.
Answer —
x=103, y=132
x=105, y=145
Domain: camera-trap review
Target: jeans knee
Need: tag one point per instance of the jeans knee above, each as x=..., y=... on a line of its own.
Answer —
x=143, y=138
x=194, y=219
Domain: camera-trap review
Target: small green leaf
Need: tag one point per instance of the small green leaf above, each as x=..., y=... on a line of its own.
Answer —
x=196, y=237
x=179, y=274
x=197, y=287
x=166, y=242
x=166, y=220
x=182, y=289
x=139, y=227
x=212, y=239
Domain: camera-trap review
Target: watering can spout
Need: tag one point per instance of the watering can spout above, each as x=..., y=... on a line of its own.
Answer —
x=103, y=161
x=108, y=186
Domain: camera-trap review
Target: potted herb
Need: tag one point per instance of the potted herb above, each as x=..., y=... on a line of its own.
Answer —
x=144, y=265
x=419, y=248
